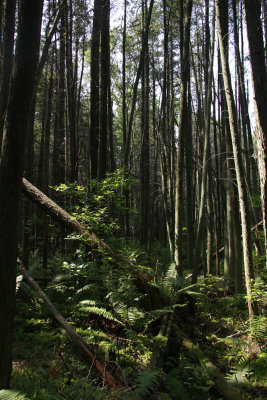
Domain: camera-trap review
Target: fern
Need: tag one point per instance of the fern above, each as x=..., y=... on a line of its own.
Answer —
x=12, y=395
x=81, y=390
x=240, y=372
x=102, y=312
x=258, y=327
x=146, y=382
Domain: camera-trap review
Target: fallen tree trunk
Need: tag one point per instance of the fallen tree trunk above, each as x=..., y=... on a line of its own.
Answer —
x=66, y=220
x=68, y=331
x=222, y=386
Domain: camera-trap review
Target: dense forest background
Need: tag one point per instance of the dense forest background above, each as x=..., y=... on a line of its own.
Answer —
x=133, y=139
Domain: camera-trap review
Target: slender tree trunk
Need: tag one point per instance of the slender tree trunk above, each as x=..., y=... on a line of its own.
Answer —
x=259, y=80
x=243, y=200
x=105, y=81
x=59, y=161
x=71, y=98
x=145, y=154
x=94, y=96
x=206, y=153
x=183, y=124
x=11, y=168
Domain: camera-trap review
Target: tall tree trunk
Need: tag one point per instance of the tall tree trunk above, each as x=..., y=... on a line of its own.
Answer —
x=71, y=98
x=243, y=200
x=8, y=40
x=59, y=161
x=206, y=154
x=94, y=96
x=105, y=81
x=145, y=156
x=259, y=75
x=183, y=124
x=11, y=168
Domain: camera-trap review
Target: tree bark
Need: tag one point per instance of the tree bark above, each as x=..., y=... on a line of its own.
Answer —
x=11, y=168
x=206, y=153
x=183, y=126
x=259, y=80
x=8, y=40
x=94, y=96
x=243, y=200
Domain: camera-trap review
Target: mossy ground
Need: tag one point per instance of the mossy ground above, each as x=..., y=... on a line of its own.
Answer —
x=47, y=367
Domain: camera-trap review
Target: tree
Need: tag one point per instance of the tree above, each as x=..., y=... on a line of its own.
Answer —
x=258, y=66
x=94, y=96
x=183, y=124
x=243, y=199
x=8, y=39
x=11, y=168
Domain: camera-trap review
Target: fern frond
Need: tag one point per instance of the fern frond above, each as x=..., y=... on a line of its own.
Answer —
x=239, y=373
x=102, y=312
x=81, y=390
x=146, y=382
x=258, y=327
x=12, y=395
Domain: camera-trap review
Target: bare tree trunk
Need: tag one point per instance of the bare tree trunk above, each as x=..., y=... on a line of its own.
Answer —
x=259, y=75
x=11, y=168
x=183, y=124
x=243, y=200
x=94, y=96
x=8, y=40
x=201, y=217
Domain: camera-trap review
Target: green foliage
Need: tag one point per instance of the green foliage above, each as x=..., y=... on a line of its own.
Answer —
x=99, y=208
x=147, y=381
x=240, y=372
x=259, y=292
x=12, y=395
x=82, y=390
x=258, y=327
x=102, y=312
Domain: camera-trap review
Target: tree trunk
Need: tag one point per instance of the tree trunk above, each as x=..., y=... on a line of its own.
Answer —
x=183, y=125
x=105, y=83
x=94, y=96
x=8, y=40
x=145, y=154
x=243, y=200
x=206, y=153
x=11, y=167
x=259, y=80
x=59, y=161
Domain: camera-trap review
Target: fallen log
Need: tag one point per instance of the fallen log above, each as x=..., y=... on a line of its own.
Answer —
x=69, y=331
x=66, y=220
x=222, y=386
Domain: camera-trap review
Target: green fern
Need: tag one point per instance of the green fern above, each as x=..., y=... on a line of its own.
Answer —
x=239, y=372
x=102, y=312
x=258, y=327
x=81, y=390
x=146, y=382
x=12, y=395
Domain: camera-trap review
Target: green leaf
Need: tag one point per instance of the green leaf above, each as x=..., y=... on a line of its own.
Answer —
x=12, y=395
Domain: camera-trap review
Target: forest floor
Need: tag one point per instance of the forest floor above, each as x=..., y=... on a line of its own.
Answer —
x=47, y=367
